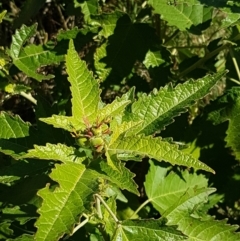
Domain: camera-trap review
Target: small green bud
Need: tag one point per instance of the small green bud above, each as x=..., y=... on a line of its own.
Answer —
x=82, y=141
x=97, y=141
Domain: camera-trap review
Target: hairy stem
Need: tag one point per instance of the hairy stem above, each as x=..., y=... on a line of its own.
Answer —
x=108, y=209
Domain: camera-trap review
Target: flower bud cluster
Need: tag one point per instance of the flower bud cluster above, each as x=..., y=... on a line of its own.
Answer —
x=94, y=136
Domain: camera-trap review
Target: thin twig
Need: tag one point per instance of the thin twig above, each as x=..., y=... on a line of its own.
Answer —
x=61, y=16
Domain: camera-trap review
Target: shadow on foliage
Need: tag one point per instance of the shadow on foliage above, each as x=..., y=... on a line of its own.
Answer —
x=129, y=43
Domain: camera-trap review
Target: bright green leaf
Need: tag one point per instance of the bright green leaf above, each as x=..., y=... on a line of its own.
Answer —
x=59, y=152
x=143, y=230
x=183, y=15
x=157, y=149
x=163, y=190
x=62, y=207
x=196, y=229
x=32, y=57
x=159, y=108
x=84, y=88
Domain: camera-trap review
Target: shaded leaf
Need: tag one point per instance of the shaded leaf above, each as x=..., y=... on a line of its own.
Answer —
x=28, y=10
x=16, y=135
x=11, y=174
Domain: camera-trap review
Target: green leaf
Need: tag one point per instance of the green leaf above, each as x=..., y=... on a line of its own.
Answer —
x=88, y=7
x=2, y=14
x=163, y=190
x=158, y=149
x=5, y=231
x=64, y=122
x=62, y=207
x=84, y=88
x=123, y=178
x=123, y=130
x=159, y=108
x=108, y=23
x=113, y=109
x=143, y=230
x=20, y=38
x=183, y=15
x=181, y=214
x=153, y=59
x=15, y=135
x=59, y=152
x=32, y=57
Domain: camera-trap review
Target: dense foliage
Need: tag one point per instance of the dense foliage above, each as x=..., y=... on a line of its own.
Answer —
x=119, y=120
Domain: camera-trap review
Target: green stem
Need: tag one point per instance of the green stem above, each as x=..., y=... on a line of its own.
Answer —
x=235, y=63
x=108, y=209
x=202, y=60
x=78, y=226
x=140, y=207
x=28, y=97
x=234, y=80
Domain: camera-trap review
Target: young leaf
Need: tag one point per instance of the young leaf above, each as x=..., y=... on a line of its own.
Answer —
x=84, y=88
x=157, y=149
x=143, y=230
x=59, y=152
x=183, y=15
x=64, y=122
x=62, y=207
x=153, y=59
x=163, y=190
x=158, y=109
x=111, y=110
x=2, y=14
